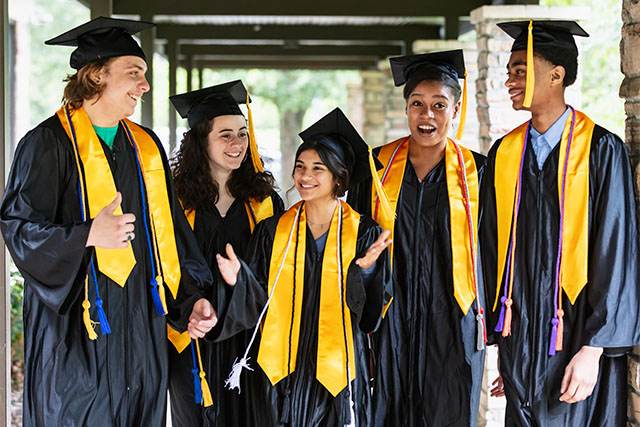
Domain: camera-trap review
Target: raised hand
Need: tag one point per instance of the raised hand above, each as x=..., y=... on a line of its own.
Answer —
x=229, y=267
x=111, y=231
x=374, y=251
x=202, y=319
x=581, y=375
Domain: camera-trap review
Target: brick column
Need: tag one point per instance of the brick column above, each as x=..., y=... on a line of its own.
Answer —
x=630, y=91
x=495, y=115
x=373, y=107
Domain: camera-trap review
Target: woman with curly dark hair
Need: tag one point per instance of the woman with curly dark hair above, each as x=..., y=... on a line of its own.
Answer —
x=225, y=192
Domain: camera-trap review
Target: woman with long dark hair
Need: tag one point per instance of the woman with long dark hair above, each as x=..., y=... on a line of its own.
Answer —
x=224, y=192
x=316, y=278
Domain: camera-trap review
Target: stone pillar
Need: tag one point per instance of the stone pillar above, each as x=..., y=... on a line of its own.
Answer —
x=630, y=91
x=373, y=106
x=495, y=115
x=172, y=53
x=147, y=42
x=355, y=105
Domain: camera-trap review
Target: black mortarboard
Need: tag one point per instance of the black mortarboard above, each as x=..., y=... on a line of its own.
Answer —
x=529, y=35
x=557, y=34
x=101, y=38
x=210, y=102
x=336, y=132
x=214, y=101
x=450, y=62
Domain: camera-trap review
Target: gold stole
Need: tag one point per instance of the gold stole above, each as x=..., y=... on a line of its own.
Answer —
x=261, y=210
x=278, y=351
x=463, y=239
x=574, y=257
x=394, y=156
x=101, y=190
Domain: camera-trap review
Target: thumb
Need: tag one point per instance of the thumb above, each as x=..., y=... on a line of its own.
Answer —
x=206, y=310
x=111, y=207
x=231, y=253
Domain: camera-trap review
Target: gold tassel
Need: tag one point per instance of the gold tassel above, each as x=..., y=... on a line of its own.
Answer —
x=86, y=318
x=506, y=330
x=253, y=146
x=207, y=400
x=162, y=293
x=528, y=93
x=380, y=191
x=463, y=109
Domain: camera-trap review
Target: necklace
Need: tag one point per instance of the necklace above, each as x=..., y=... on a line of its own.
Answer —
x=319, y=224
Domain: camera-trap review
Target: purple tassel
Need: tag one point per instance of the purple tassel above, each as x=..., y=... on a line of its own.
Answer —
x=554, y=336
x=102, y=318
x=500, y=324
x=196, y=386
x=156, y=297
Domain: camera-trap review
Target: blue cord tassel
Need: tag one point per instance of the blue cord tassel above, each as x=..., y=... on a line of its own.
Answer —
x=196, y=386
x=156, y=297
x=102, y=318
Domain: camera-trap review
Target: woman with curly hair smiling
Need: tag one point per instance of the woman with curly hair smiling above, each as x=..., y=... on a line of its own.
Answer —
x=224, y=192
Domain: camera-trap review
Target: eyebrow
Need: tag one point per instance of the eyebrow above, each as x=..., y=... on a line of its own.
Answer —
x=515, y=64
x=138, y=67
x=434, y=96
x=315, y=163
x=230, y=130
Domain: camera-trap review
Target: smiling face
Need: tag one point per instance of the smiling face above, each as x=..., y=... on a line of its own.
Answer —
x=227, y=142
x=313, y=180
x=546, y=76
x=124, y=83
x=431, y=108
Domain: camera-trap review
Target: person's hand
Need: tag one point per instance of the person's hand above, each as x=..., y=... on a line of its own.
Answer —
x=229, y=267
x=498, y=389
x=111, y=231
x=581, y=375
x=374, y=251
x=203, y=318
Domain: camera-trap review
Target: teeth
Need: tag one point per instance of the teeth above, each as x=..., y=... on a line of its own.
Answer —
x=136, y=97
x=426, y=127
x=307, y=186
x=233, y=154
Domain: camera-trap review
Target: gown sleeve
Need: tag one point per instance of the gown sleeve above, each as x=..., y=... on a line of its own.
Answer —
x=196, y=279
x=367, y=295
x=250, y=291
x=613, y=248
x=40, y=197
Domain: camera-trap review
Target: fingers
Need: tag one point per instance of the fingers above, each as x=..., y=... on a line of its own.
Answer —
x=577, y=390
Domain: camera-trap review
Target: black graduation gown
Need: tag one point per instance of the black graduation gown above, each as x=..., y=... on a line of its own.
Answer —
x=428, y=371
x=229, y=408
x=606, y=311
x=119, y=379
x=310, y=402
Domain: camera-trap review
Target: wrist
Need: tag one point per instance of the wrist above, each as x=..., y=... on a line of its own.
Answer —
x=592, y=351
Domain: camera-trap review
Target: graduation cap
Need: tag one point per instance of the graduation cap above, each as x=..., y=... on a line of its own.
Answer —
x=336, y=132
x=449, y=62
x=101, y=38
x=219, y=100
x=529, y=35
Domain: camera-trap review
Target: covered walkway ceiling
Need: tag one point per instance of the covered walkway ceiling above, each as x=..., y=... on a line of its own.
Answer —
x=333, y=34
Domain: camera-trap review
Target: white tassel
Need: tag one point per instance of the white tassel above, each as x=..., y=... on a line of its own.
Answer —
x=234, y=377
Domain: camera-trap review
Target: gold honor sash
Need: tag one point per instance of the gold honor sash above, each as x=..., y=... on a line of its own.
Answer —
x=276, y=356
x=574, y=257
x=394, y=158
x=101, y=190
